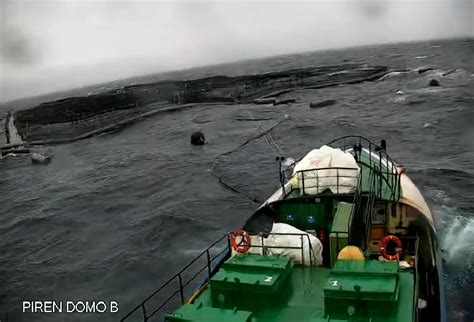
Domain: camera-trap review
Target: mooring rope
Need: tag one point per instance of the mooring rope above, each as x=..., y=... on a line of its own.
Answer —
x=270, y=142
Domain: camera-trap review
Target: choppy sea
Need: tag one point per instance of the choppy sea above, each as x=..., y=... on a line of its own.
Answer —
x=112, y=217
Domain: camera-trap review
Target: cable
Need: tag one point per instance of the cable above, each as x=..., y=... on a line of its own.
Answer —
x=270, y=142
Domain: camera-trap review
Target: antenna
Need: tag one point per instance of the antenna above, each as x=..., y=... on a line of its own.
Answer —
x=282, y=179
x=383, y=145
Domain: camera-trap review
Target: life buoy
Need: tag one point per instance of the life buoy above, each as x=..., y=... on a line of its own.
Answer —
x=242, y=245
x=393, y=253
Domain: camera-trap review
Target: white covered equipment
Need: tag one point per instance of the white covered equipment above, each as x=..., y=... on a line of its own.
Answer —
x=316, y=180
x=312, y=254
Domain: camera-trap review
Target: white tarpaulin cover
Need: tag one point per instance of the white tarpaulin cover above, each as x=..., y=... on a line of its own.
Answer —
x=337, y=180
x=312, y=254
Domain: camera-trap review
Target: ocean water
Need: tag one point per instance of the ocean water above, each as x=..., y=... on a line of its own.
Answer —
x=114, y=216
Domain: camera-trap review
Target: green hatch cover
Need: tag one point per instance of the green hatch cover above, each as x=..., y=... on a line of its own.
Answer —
x=253, y=275
x=370, y=287
x=304, y=296
x=200, y=313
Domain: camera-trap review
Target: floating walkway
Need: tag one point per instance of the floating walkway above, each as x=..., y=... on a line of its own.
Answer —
x=15, y=143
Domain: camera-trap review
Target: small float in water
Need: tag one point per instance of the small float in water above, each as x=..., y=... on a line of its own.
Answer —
x=197, y=138
x=268, y=100
x=322, y=103
x=40, y=158
x=284, y=101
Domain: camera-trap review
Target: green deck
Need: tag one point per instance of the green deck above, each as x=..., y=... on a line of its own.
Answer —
x=309, y=295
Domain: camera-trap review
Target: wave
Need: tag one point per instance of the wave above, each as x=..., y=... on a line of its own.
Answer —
x=397, y=99
x=427, y=71
x=39, y=222
x=394, y=74
x=425, y=56
x=458, y=239
x=9, y=155
x=449, y=172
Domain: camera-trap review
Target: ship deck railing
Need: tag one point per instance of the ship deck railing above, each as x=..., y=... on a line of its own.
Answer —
x=377, y=160
x=369, y=156
x=352, y=174
x=192, y=276
x=311, y=179
x=412, y=244
x=187, y=278
x=177, y=286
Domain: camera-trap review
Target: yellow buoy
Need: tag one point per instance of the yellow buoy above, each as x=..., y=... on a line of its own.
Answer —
x=351, y=253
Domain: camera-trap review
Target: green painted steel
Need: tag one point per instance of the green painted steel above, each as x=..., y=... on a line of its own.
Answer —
x=370, y=287
x=201, y=313
x=261, y=278
x=367, y=291
x=386, y=298
x=366, y=267
x=304, y=216
x=385, y=180
x=339, y=234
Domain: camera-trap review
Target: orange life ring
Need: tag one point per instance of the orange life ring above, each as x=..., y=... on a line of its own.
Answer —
x=398, y=249
x=244, y=244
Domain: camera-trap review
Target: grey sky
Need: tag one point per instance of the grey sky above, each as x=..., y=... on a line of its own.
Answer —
x=52, y=45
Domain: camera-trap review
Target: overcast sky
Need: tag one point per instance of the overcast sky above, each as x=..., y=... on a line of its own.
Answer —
x=52, y=45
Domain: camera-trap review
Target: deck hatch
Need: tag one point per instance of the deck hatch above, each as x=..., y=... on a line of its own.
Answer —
x=253, y=275
x=363, y=280
x=262, y=274
x=195, y=313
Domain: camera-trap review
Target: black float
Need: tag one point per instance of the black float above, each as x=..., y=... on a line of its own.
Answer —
x=197, y=138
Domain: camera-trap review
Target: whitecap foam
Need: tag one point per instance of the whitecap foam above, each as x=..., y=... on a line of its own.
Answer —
x=424, y=56
x=339, y=72
x=393, y=74
x=288, y=162
x=434, y=89
x=397, y=99
x=458, y=238
x=436, y=73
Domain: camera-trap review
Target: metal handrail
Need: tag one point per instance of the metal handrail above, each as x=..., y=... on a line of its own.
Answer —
x=210, y=259
x=392, y=178
x=361, y=139
x=311, y=174
x=355, y=208
x=367, y=218
x=178, y=277
x=372, y=146
x=416, y=246
x=337, y=239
